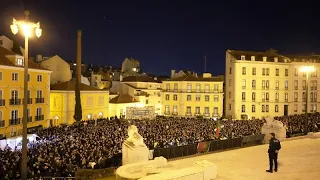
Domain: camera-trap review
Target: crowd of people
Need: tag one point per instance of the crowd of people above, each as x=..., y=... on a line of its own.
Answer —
x=60, y=151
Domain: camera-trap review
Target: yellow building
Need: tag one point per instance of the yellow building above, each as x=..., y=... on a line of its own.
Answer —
x=192, y=96
x=94, y=102
x=119, y=104
x=260, y=84
x=11, y=94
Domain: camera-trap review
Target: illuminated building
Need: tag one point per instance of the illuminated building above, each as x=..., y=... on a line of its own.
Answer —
x=260, y=84
x=11, y=94
x=192, y=96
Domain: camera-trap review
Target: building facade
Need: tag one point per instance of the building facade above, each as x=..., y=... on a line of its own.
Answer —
x=193, y=96
x=130, y=67
x=12, y=94
x=94, y=102
x=60, y=69
x=260, y=84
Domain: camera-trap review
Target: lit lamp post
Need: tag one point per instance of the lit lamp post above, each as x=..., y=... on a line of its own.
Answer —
x=307, y=70
x=27, y=28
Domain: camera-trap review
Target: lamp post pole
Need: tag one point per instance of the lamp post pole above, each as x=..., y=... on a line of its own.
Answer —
x=24, y=166
x=307, y=100
x=26, y=27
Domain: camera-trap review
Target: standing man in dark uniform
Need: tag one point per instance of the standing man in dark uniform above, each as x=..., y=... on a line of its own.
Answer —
x=274, y=147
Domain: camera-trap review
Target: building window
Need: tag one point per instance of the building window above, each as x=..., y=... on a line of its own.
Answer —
x=14, y=94
x=230, y=71
x=286, y=97
x=295, y=96
x=263, y=108
x=19, y=61
x=252, y=58
x=243, y=83
x=286, y=72
x=2, y=122
x=207, y=98
x=189, y=87
x=230, y=82
x=39, y=78
x=0, y=76
x=243, y=108
x=206, y=111
x=277, y=84
x=277, y=72
x=244, y=71
x=295, y=108
x=253, y=108
x=167, y=86
x=263, y=71
x=267, y=84
x=90, y=101
x=276, y=108
x=101, y=101
x=229, y=107
x=197, y=97
x=253, y=96
x=175, y=87
x=263, y=84
x=14, y=116
x=229, y=94
x=166, y=109
x=197, y=110
x=295, y=84
x=216, y=98
x=267, y=108
x=267, y=71
x=175, y=97
x=263, y=97
x=243, y=97
x=167, y=97
x=253, y=84
x=207, y=88
x=39, y=111
x=14, y=76
x=304, y=84
x=295, y=72
x=243, y=57
x=254, y=71
x=286, y=84
x=267, y=97
x=175, y=110
x=198, y=87
x=277, y=97
x=216, y=87
x=188, y=97
x=188, y=110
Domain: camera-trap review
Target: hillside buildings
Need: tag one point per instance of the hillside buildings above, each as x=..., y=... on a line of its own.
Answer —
x=260, y=84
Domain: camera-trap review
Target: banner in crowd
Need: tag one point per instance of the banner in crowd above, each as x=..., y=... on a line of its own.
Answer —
x=203, y=147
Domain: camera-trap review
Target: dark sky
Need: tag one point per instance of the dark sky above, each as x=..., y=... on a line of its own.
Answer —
x=167, y=34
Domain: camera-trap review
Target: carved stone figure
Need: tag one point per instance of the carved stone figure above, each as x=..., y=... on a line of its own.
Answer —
x=134, y=137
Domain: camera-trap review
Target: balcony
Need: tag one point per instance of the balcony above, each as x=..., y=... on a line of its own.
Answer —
x=2, y=102
x=29, y=100
x=39, y=118
x=15, y=101
x=215, y=115
x=29, y=119
x=14, y=121
x=194, y=90
x=175, y=113
x=206, y=114
x=39, y=100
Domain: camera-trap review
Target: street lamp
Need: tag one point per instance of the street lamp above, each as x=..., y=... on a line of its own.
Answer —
x=307, y=70
x=26, y=27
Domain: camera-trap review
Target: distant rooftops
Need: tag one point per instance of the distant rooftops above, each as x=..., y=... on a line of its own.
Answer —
x=141, y=78
x=70, y=86
x=123, y=98
x=205, y=78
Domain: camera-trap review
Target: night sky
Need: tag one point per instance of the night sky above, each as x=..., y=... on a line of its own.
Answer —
x=164, y=34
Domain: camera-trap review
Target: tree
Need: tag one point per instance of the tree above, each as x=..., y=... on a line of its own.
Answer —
x=77, y=109
x=16, y=47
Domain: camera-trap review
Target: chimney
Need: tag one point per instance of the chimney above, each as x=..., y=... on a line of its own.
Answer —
x=79, y=56
x=207, y=75
x=173, y=72
x=39, y=58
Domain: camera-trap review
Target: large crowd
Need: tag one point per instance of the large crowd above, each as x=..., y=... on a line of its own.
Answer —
x=60, y=151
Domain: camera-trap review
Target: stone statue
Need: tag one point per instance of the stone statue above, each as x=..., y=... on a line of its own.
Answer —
x=273, y=123
x=134, y=137
x=273, y=126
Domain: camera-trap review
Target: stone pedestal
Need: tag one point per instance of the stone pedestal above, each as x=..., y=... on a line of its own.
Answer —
x=275, y=127
x=134, y=154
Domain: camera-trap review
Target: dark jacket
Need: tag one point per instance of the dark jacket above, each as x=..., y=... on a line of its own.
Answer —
x=274, y=145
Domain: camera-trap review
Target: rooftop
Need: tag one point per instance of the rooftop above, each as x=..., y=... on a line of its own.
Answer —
x=140, y=79
x=191, y=77
x=123, y=98
x=7, y=62
x=70, y=86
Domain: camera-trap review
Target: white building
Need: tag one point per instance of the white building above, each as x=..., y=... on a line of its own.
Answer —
x=8, y=43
